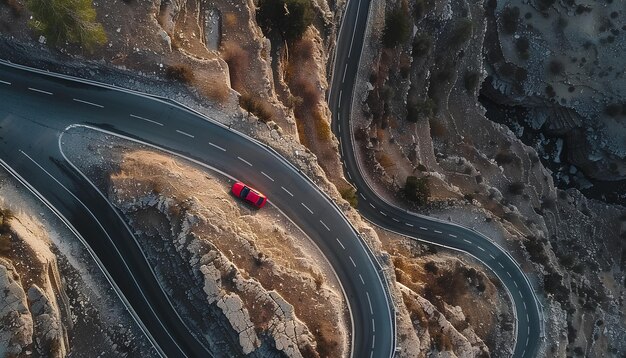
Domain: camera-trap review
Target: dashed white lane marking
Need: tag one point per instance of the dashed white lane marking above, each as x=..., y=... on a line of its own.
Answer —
x=306, y=207
x=466, y=240
x=362, y=196
x=493, y=257
x=522, y=296
x=508, y=273
x=515, y=282
x=523, y=352
x=87, y=102
x=351, y=260
x=501, y=265
x=286, y=191
x=396, y=220
x=383, y=214
x=527, y=332
x=267, y=176
x=373, y=326
x=527, y=318
x=481, y=249
x=40, y=91
x=345, y=70
x=339, y=102
x=324, y=225
x=438, y=232
x=369, y=302
x=217, y=146
x=373, y=337
x=452, y=235
x=343, y=247
x=5, y=82
x=372, y=205
x=423, y=228
x=372, y=354
x=146, y=119
x=185, y=133
x=362, y=281
x=407, y=224
x=245, y=161
x=524, y=304
x=349, y=176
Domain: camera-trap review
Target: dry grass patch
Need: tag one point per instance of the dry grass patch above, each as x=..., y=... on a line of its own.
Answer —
x=237, y=59
x=180, y=72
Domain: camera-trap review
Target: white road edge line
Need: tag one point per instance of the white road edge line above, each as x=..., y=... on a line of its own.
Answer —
x=343, y=247
x=245, y=161
x=146, y=119
x=306, y=207
x=267, y=176
x=87, y=102
x=217, y=146
x=323, y=224
x=40, y=91
x=185, y=133
x=286, y=191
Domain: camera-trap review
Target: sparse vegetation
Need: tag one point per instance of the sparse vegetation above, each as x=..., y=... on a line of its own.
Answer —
x=517, y=188
x=461, y=32
x=397, y=28
x=544, y=5
x=422, y=44
x=180, y=72
x=418, y=109
x=16, y=7
x=256, y=106
x=510, y=19
x=417, y=190
x=615, y=109
x=471, y=81
x=72, y=21
x=349, y=195
x=522, y=46
x=556, y=67
x=290, y=18
x=237, y=60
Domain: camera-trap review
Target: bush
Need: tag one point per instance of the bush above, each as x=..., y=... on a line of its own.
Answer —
x=72, y=21
x=397, y=28
x=522, y=46
x=419, y=8
x=471, y=81
x=461, y=32
x=180, y=72
x=422, y=44
x=349, y=195
x=545, y=4
x=16, y=7
x=256, y=106
x=417, y=190
x=290, y=18
x=556, y=67
x=615, y=109
x=510, y=19
x=517, y=188
x=420, y=109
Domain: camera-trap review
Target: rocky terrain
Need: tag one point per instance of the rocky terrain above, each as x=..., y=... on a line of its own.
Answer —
x=55, y=301
x=558, y=65
x=247, y=286
x=417, y=113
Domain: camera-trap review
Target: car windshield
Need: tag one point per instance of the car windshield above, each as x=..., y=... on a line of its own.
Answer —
x=244, y=192
x=258, y=202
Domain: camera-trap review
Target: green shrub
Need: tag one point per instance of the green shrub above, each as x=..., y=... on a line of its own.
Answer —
x=349, y=195
x=72, y=21
x=397, y=28
x=290, y=18
x=522, y=45
x=420, y=109
x=417, y=190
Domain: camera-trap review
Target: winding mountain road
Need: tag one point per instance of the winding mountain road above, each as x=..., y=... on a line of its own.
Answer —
x=527, y=309
x=38, y=107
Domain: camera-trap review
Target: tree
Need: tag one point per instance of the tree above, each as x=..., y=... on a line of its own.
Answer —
x=290, y=18
x=417, y=190
x=397, y=28
x=72, y=21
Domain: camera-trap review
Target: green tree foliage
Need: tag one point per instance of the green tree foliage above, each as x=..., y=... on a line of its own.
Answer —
x=397, y=28
x=72, y=21
x=290, y=18
x=417, y=190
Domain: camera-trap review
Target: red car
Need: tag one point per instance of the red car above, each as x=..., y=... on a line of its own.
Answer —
x=249, y=194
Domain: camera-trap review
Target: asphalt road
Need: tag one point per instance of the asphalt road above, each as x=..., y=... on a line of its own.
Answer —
x=381, y=213
x=36, y=108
